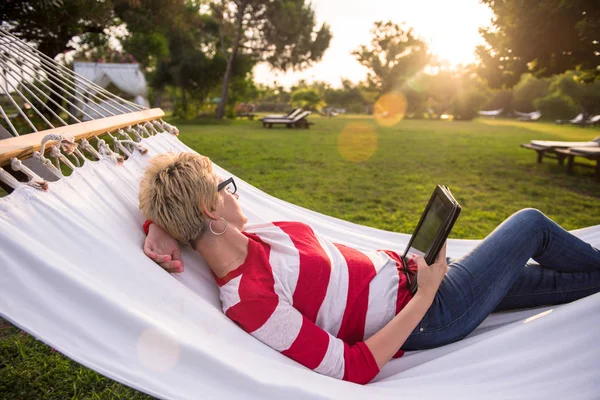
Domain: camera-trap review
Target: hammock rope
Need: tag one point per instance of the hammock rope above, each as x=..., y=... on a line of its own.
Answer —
x=22, y=68
x=54, y=96
x=50, y=66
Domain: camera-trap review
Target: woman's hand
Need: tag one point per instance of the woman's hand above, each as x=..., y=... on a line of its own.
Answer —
x=163, y=249
x=430, y=277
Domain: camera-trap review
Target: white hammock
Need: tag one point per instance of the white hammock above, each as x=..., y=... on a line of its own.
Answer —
x=73, y=274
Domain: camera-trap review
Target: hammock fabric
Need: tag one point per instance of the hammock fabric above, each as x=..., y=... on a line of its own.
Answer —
x=73, y=274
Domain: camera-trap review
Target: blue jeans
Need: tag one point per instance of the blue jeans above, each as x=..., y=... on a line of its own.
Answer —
x=496, y=276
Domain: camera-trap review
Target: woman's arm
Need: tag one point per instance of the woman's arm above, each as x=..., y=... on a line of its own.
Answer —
x=162, y=248
x=387, y=341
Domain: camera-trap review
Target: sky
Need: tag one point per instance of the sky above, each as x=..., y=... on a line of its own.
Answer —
x=450, y=27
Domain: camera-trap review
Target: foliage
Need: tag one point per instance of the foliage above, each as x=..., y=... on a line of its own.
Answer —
x=395, y=59
x=460, y=93
x=52, y=24
x=282, y=33
x=542, y=37
x=243, y=89
x=147, y=47
x=350, y=96
x=556, y=106
x=307, y=98
x=103, y=54
x=501, y=98
x=470, y=95
x=527, y=90
x=394, y=55
x=577, y=86
x=184, y=55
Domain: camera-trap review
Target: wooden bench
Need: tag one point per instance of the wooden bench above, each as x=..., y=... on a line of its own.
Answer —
x=588, y=153
x=548, y=152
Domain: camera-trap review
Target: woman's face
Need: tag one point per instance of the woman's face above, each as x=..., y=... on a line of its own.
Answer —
x=231, y=210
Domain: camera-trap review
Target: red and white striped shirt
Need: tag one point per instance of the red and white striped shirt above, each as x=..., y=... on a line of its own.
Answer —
x=313, y=300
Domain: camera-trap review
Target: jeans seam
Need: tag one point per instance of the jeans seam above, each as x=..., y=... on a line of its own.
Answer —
x=480, y=297
x=552, y=292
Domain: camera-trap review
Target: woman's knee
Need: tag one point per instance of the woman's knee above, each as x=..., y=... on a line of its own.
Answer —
x=529, y=216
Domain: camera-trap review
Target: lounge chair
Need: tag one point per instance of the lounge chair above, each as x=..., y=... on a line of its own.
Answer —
x=590, y=153
x=547, y=148
x=291, y=115
x=577, y=120
x=491, y=113
x=595, y=120
x=529, y=117
x=299, y=121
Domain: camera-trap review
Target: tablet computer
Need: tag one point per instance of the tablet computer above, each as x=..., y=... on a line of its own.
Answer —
x=434, y=226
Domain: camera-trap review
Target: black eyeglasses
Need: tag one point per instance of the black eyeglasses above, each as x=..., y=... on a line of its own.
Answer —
x=229, y=185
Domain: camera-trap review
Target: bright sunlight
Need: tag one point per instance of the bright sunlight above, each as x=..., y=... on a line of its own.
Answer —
x=450, y=28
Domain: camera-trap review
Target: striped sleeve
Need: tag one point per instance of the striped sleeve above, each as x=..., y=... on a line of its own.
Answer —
x=295, y=336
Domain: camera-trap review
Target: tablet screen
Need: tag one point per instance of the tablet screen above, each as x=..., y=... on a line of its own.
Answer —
x=433, y=221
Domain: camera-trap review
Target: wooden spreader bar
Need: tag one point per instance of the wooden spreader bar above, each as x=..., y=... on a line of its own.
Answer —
x=23, y=146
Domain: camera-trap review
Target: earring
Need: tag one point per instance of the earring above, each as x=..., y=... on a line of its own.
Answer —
x=211, y=228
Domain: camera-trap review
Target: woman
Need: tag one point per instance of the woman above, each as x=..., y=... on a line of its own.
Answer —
x=340, y=311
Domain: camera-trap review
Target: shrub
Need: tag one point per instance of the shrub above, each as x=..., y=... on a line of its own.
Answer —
x=466, y=104
x=556, y=106
x=502, y=98
x=527, y=91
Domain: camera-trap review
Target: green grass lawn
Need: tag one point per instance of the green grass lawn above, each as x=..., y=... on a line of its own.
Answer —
x=380, y=177
x=481, y=161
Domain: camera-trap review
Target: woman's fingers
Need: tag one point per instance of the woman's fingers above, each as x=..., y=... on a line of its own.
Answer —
x=160, y=258
x=148, y=251
x=421, y=263
x=177, y=256
x=172, y=266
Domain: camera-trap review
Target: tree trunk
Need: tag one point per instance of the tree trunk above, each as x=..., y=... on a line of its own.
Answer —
x=184, y=102
x=230, y=60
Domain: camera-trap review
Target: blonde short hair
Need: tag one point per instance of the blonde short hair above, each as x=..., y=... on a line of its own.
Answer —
x=174, y=191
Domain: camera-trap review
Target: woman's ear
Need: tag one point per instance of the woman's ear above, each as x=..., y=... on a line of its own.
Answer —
x=212, y=212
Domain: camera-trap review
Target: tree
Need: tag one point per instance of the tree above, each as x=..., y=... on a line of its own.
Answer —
x=394, y=55
x=460, y=93
x=544, y=37
x=349, y=97
x=51, y=24
x=280, y=32
x=527, y=90
x=307, y=98
x=578, y=86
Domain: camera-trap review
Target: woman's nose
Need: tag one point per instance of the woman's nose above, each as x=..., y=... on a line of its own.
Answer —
x=237, y=196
